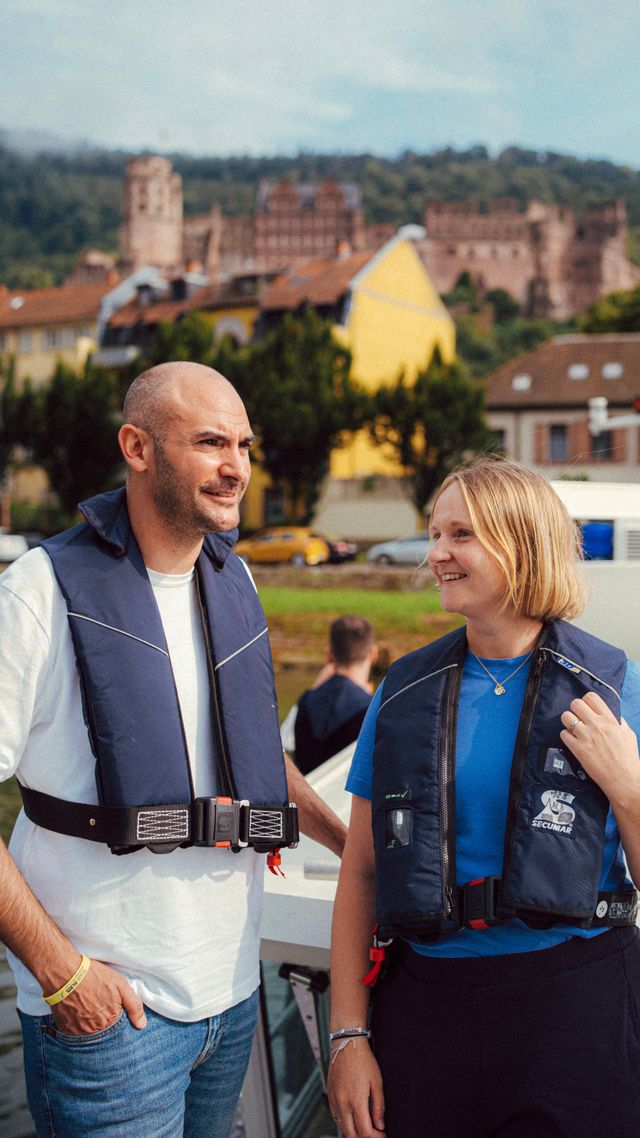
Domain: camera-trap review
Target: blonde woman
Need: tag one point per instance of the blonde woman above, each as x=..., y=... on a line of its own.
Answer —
x=496, y=784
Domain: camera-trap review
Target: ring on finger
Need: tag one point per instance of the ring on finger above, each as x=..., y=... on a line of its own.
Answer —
x=573, y=726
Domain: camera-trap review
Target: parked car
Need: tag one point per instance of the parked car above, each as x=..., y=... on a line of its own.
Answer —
x=402, y=551
x=12, y=546
x=339, y=548
x=295, y=544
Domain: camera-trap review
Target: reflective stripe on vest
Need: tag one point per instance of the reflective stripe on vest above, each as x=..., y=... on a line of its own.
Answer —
x=129, y=696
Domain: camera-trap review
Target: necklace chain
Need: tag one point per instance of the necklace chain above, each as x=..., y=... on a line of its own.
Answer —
x=499, y=688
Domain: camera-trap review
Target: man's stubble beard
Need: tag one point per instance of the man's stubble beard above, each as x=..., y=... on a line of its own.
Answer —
x=178, y=509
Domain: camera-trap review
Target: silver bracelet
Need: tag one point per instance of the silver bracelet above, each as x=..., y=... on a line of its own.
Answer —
x=349, y=1033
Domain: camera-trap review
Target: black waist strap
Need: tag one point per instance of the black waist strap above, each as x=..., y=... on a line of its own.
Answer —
x=479, y=908
x=211, y=822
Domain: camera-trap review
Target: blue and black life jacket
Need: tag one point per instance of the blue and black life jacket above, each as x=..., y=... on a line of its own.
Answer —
x=130, y=702
x=329, y=718
x=555, y=830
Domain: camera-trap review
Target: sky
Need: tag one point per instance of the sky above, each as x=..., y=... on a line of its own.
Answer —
x=264, y=77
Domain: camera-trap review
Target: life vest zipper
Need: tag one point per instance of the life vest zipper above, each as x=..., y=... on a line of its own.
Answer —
x=531, y=697
x=447, y=792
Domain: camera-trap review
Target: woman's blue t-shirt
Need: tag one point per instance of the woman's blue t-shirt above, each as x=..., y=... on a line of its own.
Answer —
x=486, y=734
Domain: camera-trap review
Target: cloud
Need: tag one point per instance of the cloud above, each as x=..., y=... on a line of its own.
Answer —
x=258, y=77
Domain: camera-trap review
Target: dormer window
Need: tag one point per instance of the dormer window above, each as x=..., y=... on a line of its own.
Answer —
x=521, y=382
x=612, y=370
x=578, y=371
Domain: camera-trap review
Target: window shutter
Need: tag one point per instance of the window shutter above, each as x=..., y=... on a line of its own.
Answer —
x=579, y=443
x=619, y=445
x=540, y=443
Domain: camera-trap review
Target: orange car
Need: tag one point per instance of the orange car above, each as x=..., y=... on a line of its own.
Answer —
x=294, y=544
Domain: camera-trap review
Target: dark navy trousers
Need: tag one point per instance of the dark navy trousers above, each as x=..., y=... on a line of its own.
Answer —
x=535, y=1045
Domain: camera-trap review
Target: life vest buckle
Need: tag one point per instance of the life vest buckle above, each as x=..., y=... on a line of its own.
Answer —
x=216, y=823
x=225, y=822
x=477, y=900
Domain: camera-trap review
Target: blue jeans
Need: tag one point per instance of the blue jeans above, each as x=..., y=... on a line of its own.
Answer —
x=170, y=1080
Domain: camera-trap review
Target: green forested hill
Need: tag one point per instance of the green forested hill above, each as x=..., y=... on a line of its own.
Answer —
x=54, y=205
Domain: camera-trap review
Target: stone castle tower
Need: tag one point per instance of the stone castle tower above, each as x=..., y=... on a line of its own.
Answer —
x=289, y=223
x=151, y=229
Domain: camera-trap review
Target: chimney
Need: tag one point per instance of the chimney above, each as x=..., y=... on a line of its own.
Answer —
x=144, y=295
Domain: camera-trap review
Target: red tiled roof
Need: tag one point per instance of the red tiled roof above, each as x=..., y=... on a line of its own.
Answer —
x=606, y=365
x=24, y=308
x=207, y=298
x=317, y=282
x=133, y=312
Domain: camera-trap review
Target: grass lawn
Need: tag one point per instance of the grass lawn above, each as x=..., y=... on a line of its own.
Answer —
x=299, y=621
x=392, y=610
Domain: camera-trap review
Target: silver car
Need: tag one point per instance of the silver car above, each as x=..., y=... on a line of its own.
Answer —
x=402, y=551
x=12, y=546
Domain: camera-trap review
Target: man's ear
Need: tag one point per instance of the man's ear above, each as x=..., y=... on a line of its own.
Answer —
x=135, y=445
x=374, y=654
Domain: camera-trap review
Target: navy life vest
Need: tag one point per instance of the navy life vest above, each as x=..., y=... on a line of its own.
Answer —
x=329, y=718
x=131, y=706
x=556, y=816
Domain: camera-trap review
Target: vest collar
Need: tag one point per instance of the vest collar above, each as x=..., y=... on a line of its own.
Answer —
x=108, y=517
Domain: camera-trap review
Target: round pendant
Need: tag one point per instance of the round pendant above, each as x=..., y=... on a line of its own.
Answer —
x=499, y=690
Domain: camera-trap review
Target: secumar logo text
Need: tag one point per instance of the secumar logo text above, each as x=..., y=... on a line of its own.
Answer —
x=557, y=813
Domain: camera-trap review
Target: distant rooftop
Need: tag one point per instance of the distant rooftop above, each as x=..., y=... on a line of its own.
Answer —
x=24, y=308
x=568, y=371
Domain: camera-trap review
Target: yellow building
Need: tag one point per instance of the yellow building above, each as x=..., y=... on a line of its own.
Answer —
x=387, y=312
x=40, y=326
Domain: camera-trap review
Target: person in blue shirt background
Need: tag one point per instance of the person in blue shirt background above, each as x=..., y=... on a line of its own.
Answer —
x=328, y=716
x=526, y=1028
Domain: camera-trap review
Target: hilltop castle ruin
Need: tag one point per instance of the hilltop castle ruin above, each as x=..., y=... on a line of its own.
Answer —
x=553, y=262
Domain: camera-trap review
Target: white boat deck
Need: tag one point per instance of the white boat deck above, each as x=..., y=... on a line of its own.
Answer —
x=296, y=924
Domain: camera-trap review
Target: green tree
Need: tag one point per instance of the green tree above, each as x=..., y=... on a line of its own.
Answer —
x=190, y=338
x=485, y=347
x=9, y=418
x=616, y=312
x=465, y=291
x=72, y=433
x=432, y=425
x=505, y=307
x=476, y=344
x=297, y=389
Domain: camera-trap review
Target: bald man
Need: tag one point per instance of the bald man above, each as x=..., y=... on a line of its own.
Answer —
x=137, y=711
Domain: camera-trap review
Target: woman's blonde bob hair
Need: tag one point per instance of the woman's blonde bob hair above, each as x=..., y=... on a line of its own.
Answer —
x=521, y=522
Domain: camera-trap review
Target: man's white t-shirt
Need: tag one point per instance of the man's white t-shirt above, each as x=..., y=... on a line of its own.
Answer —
x=182, y=927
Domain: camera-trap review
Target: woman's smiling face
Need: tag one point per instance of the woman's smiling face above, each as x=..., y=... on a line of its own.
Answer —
x=471, y=581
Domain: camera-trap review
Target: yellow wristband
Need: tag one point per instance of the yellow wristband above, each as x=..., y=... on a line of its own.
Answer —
x=71, y=985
